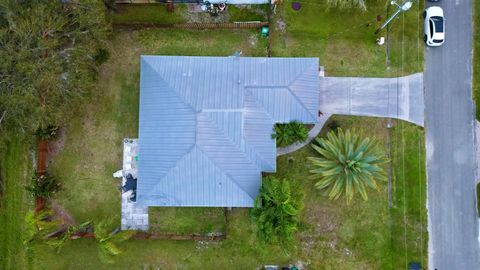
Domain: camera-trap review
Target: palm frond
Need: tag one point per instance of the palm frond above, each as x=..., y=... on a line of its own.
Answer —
x=347, y=163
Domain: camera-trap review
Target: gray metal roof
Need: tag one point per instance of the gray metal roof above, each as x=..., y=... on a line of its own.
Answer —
x=206, y=123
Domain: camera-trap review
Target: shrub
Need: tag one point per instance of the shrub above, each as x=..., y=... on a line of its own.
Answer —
x=101, y=56
x=276, y=210
x=347, y=163
x=43, y=186
x=47, y=133
x=286, y=134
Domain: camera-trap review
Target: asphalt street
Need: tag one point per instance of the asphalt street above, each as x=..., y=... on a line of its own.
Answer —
x=451, y=165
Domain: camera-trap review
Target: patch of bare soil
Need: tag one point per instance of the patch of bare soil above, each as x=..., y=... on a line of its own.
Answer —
x=62, y=215
x=325, y=223
x=194, y=16
x=280, y=25
x=56, y=146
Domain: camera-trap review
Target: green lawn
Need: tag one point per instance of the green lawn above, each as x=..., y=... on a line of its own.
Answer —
x=345, y=40
x=14, y=205
x=248, y=13
x=476, y=56
x=409, y=215
x=93, y=140
x=148, y=13
x=157, y=13
x=364, y=235
x=186, y=220
x=333, y=235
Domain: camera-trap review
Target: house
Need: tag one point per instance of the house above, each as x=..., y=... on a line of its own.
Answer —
x=205, y=125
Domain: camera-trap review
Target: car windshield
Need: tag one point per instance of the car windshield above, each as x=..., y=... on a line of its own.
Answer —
x=438, y=40
x=438, y=24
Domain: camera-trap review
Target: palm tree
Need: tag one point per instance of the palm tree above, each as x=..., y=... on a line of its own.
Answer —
x=347, y=163
x=276, y=210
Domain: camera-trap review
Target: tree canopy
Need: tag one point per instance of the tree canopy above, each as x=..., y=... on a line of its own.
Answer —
x=47, y=52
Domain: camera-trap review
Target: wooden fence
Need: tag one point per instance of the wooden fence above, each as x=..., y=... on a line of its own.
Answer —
x=234, y=25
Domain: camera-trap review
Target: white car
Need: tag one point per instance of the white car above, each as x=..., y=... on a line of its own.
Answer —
x=434, y=26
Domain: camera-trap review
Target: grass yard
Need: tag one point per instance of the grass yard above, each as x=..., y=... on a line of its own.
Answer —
x=14, y=205
x=148, y=13
x=344, y=40
x=157, y=13
x=93, y=140
x=248, y=13
x=186, y=220
x=476, y=56
x=333, y=235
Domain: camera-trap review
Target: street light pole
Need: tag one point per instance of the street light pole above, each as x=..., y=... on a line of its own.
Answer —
x=404, y=7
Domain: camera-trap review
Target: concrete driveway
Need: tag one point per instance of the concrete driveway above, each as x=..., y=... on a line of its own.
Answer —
x=400, y=98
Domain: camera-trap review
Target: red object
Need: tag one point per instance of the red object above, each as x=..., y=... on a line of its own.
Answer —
x=42, y=154
x=39, y=204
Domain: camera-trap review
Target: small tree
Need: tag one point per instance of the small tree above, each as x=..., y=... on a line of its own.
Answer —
x=276, y=210
x=347, y=163
x=106, y=242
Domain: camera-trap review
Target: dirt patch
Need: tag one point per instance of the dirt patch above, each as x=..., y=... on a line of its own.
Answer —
x=325, y=222
x=56, y=146
x=62, y=215
x=280, y=25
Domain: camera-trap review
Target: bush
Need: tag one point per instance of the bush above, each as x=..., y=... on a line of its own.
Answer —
x=43, y=186
x=276, y=211
x=47, y=133
x=101, y=56
x=286, y=134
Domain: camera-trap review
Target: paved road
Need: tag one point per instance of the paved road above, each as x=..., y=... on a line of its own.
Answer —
x=449, y=122
x=400, y=98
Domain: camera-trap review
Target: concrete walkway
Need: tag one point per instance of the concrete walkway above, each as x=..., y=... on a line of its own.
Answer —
x=400, y=98
x=312, y=134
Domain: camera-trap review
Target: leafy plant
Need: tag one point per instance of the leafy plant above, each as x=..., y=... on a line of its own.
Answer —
x=37, y=226
x=47, y=65
x=43, y=186
x=286, y=134
x=276, y=210
x=107, y=242
x=71, y=230
x=101, y=56
x=47, y=133
x=347, y=163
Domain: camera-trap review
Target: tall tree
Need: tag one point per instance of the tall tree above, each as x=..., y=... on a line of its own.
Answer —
x=347, y=163
x=47, y=52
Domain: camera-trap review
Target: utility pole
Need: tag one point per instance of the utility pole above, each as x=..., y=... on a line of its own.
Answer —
x=401, y=8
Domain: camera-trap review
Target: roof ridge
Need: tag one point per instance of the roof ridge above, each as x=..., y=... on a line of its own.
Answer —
x=172, y=168
x=227, y=175
x=296, y=97
x=263, y=110
x=172, y=89
x=238, y=147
